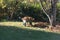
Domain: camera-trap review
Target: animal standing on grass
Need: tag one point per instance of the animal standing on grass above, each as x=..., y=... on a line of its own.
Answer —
x=27, y=21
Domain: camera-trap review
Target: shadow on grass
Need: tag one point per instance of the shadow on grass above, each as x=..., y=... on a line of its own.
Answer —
x=15, y=33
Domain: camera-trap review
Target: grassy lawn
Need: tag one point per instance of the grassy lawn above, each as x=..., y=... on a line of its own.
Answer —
x=15, y=31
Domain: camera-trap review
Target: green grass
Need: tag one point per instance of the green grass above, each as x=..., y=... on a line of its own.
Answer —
x=24, y=33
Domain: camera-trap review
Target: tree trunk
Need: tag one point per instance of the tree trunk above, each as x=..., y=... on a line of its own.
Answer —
x=11, y=15
x=52, y=16
x=53, y=12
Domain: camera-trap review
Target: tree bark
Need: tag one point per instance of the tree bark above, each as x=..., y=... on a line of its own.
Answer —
x=53, y=12
x=52, y=15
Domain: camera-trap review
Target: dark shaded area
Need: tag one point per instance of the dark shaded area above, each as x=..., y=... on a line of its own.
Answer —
x=14, y=33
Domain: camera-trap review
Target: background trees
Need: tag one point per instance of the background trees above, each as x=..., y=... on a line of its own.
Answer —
x=12, y=9
x=50, y=10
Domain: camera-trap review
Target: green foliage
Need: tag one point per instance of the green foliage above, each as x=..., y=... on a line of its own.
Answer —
x=58, y=12
x=58, y=5
x=23, y=8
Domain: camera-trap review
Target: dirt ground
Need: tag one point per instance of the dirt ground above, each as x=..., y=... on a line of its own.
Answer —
x=45, y=25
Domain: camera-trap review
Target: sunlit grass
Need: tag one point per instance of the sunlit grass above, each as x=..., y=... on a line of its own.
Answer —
x=16, y=31
x=20, y=25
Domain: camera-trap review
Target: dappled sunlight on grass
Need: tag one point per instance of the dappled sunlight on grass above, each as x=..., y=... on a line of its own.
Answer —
x=11, y=23
x=20, y=25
